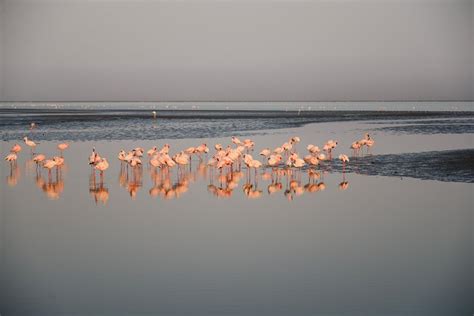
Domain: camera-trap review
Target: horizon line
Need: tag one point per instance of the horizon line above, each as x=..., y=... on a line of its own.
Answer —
x=270, y=101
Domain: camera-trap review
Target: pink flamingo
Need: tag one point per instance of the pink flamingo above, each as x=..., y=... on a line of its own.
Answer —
x=62, y=147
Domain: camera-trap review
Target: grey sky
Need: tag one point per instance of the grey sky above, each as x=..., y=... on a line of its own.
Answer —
x=236, y=50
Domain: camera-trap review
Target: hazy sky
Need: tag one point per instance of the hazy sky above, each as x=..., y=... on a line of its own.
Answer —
x=236, y=50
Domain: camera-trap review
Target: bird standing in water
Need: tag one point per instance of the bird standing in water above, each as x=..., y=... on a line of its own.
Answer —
x=62, y=147
x=344, y=160
x=102, y=165
x=29, y=143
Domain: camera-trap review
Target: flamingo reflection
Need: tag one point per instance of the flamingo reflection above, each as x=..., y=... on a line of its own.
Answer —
x=98, y=191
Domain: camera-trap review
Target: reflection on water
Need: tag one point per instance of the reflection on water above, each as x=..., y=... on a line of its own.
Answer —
x=167, y=183
x=98, y=191
x=173, y=183
x=14, y=175
x=226, y=242
x=51, y=184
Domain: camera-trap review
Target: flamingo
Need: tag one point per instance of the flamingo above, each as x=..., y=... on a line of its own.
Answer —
x=278, y=150
x=58, y=160
x=11, y=158
x=294, y=140
x=94, y=157
x=355, y=146
x=329, y=147
x=344, y=160
x=29, y=143
x=182, y=159
x=249, y=144
x=236, y=141
x=102, y=165
x=121, y=156
x=62, y=147
x=252, y=163
x=165, y=150
x=311, y=160
x=139, y=151
x=15, y=149
x=265, y=152
x=287, y=146
x=152, y=151
x=369, y=144
x=49, y=164
x=313, y=150
x=135, y=161
x=202, y=149
x=295, y=161
x=39, y=159
x=274, y=160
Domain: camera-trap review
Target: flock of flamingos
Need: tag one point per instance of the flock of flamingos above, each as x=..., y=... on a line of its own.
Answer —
x=226, y=161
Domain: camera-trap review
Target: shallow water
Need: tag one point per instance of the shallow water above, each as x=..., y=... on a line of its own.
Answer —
x=385, y=237
x=81, y=125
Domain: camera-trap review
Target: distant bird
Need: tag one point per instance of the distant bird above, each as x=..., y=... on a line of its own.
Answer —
x=139, y=151
x=62, y=147
x=311, y=160
x=135, y=161
x=102, y=165
x=165, y=149
x=278, y=150
x=344, y=160
x=294, y=140
x=181, y=159
x=121, y=155
x=38, y=159
x=369, y=144
x=15, y=149
x=94, y=157
x=11, y=158
x=313, y=149
x=154, y=114
x=274, y=160
x=236, y=141
x=329, y=147
x=355, y=146
x=202, y=149
x=295, y=161
x=29, y=143
x=32, y=125
x=49, y=164
x=265, y=153
x=58, y=160
x=252, y=163
x=152, y=151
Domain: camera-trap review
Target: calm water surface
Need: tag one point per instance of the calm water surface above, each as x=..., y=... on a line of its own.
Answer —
x=391, y=236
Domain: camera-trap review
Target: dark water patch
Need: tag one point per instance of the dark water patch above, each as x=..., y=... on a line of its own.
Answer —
x=453, y=120
x=435, y=128
x=448, y=166
x=132, y=124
